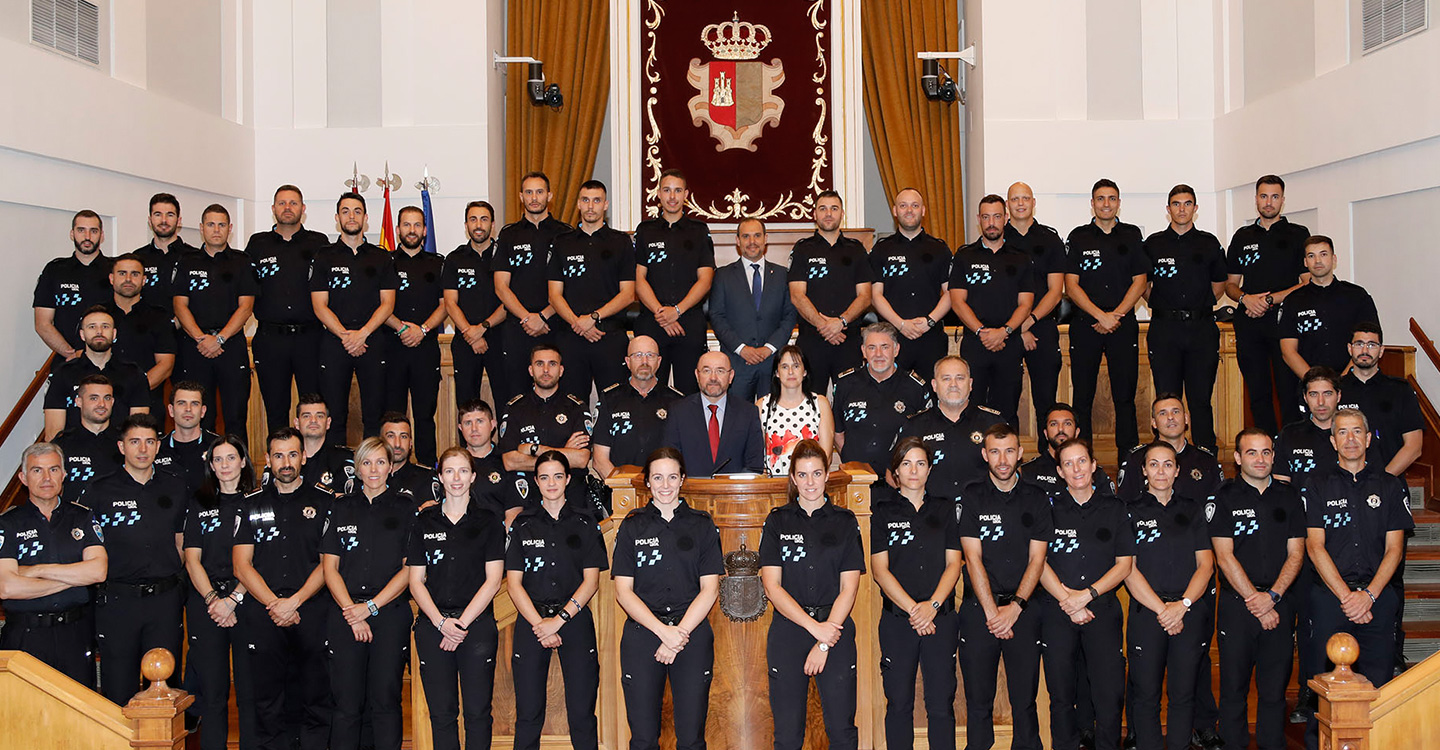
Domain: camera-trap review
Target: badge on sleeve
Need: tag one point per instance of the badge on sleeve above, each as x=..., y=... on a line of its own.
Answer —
x=1373, y=501
x=1209, y=512
x=522, y=487
x=94, y=525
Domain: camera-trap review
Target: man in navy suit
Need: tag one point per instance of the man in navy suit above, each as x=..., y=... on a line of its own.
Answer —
x=714, y=429
x=751, y=312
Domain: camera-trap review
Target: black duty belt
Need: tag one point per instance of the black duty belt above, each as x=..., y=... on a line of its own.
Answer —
x=946, y=607
x=1183, y=314
x=224, y=586
x=43, y=619
x=549, y=610
x=287, y=329
x=141, y=588
x=669, y=618
x=1356, y=584
x=819, y=614
x=451, y=614
x=1169, y=599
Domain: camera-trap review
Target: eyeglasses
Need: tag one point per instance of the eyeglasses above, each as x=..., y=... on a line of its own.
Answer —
x=1371, y=345
x=643, y=355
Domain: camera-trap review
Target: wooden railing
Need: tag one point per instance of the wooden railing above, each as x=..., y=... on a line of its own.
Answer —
x=1427, y=345
x=1354, y=715
x=17, y=412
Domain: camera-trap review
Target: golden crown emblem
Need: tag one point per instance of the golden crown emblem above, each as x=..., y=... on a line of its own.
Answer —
x=735, y=39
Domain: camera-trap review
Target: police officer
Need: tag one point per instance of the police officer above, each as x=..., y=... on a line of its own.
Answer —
x=91, y=448
x=630, y=420
x=363, y=556
x=543, y=419
x=144, y=335
x=1171, y=611
x=915, y=559
x=1388, y=402
x=1317, y=319
x=829, y=279
x=352, y=288
x=215, y=637
x=911, y=290
x=1080, y=624
x=276, y=558
x=521, y=264
x=1199, y=473
x=1187, y=275
x=328, y=465
x=811, y=560
x=667, y=570
x=1265, y=263
x=455, y=634
x=50, y=554
x=70, y=285
x=159, y=256
x=992, y=288
x=1044, y=469
x=141, y=512
x=182, y=451
x=592, y=281
x=674, y=267
x=873, y=402
x=1257, y=525
x=1005, y=527
x=407, y=477
x=287, y=335
x=468, y=284
x=131, y=392
x=1039, y=333
x=553, y=563
x=500, y=489
x=412, y=372
x=1105, y=276
x=952, y=429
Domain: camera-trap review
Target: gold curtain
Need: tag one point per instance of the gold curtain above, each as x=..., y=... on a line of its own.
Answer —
x=573, y=38
x=917, y=141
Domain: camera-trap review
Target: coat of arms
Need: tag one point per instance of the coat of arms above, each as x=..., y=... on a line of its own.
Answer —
x=736, y=92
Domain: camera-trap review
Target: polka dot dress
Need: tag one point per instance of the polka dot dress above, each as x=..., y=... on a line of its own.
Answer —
x=783, y=428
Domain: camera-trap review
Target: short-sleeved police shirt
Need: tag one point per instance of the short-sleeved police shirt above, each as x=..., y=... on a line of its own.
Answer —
x=138, y=523
x=992, y=280
x=1356, y=511
x=1303, y=447
x=553, y=553
x=211, y=529
x=1270, y=259
x=870, y=412
x=1088, y=538
x=213, y=285
x=1166, y=540
x=142, y=333
x=914, y=540
x=131, y=389
x=283, y=269
x=285, y=529
x=454, y=554
x=159, y=268
x=70, y=287
x=1044, y=471
x=592, y=266
x=673, y=255
x=88, y=455
x=354, y=279
x=418, y=291
x=332, y=467
x=472, y=277
x=369, y=538
x=1106, y=262
x=1260, y=524
x=631, y=425
x=830, y=272
x=1046, y=251
x=187, y=460
x=1389, y=405
x=667, y=559
x=522, y=249
x=811, y=550
x=955, y=457
x=416, y=481
x=1005, y=523
x=530, y=418
x=1182, y=268
x=501, y=489
x=1198, y=475
x=1321, y=318
x=29, y=538
x=914, y=271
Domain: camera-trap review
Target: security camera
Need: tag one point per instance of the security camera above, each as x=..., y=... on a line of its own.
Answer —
x=535, y=82
x=935, y=88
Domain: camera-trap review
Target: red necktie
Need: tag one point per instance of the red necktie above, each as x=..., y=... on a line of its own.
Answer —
x=714, y=433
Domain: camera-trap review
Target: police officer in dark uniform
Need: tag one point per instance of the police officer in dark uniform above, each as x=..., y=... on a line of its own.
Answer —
x=287, y=335
x=1039, y=333
x=630, y=420
x=1317, y=319
x=543, y=419
x=592, y=281
x=1187, y=275
x=1257, y=525
x=327, y=465
x=363, y=556
x=499, y=488
x=455, y=634
x=521, y=265
x=667, y=571
x=144, y=333
x=69, y=286
x=553, y=563
x=1389, y=403
x=1005, y=527
x=811, y=560
x=90, y=447
x=674, y=267
x=992, y=288
x=829, y=279
x=159, y=256
x=412, y=371
x=130, y=391
x=407, y=477
x=1105, y=276
x=183, y=451
x=276, y=558
x=1265, y=263
x=911, y=290
x=1061, y=427
x=952, y=429
x=468, y=284
x=1171, y=611
x=872, y=402
x=915, y=558
x=1199, y=473
x=352, y=288
x=141, y=511
x=50, y=554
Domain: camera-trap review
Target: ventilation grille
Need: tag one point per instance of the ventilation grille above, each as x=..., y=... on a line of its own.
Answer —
x=1385, y=21
x=70, y=27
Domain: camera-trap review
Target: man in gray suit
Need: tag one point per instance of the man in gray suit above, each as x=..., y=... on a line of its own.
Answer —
x=751, y=312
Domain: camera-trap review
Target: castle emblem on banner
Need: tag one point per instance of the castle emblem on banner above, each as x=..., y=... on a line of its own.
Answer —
x=736, y=92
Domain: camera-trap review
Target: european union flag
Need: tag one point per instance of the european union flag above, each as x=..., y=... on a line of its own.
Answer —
x=429, y=220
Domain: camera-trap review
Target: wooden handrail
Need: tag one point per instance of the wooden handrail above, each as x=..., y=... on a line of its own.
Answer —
x=31, y=391
x=1426, y=344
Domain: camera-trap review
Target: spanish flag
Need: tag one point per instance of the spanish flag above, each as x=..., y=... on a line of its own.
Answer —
x=387, y=225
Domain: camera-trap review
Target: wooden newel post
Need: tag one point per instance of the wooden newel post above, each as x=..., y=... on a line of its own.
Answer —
x=1345, y=698
x=159, y=710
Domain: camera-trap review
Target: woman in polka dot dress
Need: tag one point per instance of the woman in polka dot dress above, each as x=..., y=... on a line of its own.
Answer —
x=793, y=412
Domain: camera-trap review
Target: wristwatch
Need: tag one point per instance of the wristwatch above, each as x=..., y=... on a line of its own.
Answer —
x=929, y=322
x=935, y=606
x=370, y=605
x=1187, y=603
x=534, y=449
x=220, y=339
x=1093, y=593
x=824, y=647
x=1269, y=299
x=485, y=324
x=595, y=316
x=237, y=596
x=1009, y=330
x=1274, y=597
x=1022, y=601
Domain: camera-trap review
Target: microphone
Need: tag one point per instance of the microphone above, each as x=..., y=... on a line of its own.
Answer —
x=719, y=466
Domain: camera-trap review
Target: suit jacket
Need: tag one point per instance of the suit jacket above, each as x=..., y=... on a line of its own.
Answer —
x=733, y=314
x=742, y=447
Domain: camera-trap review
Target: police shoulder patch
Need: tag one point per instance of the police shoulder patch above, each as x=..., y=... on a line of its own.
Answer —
x=1210, y=511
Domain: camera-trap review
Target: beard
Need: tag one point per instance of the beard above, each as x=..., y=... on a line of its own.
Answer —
x=80, y=247
x=411, y=241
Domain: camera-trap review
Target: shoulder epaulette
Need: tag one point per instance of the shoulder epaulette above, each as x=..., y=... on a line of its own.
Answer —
x=255, y=492
x=1206, y=451
x=918, y=380
x=850, y=371
x=610, y=387
x=574, y=400
x=983, y=407
x=76, y=503
x=517, y=397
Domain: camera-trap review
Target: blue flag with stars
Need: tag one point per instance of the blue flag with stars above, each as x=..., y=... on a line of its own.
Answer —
x=429, y=220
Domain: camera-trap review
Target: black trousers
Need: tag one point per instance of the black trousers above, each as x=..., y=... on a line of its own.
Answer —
x=1121, y=352
x=226, y=377
x=1043, y=366
x=412, y=378
x=515, y=346
x=1164, y=663
x=1099, y=643
x=1184, y=358
x=1262, y=365
x=1300, y=601
x=579, y=667
x=902, y=653
x=126, y=626
x=207, y=676
x=1246, y=648
x=678, y=354
x=601, y=363
x=643, y=681
x=471, y=668
x=918, y=355
x=996, y=375
x=289, y=668
x=828, y=360
x=787, y=645
x=980, y=655
x=283, y=355
x=69, y=647
x=366, y=678
x=1376, y=639
x=368, y=369
x=471, y=369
